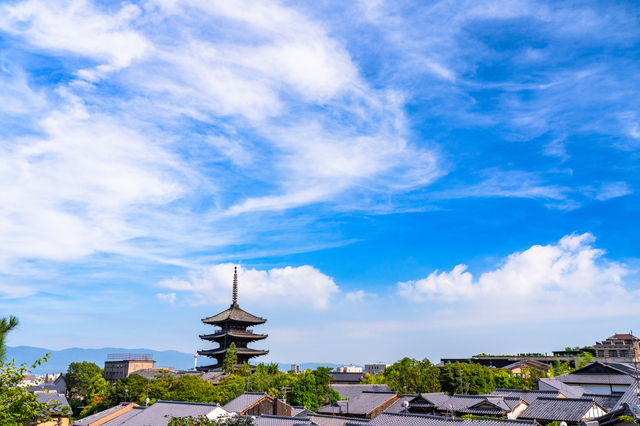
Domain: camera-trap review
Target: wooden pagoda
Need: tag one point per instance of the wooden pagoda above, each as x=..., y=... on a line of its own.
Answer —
x=233, y=325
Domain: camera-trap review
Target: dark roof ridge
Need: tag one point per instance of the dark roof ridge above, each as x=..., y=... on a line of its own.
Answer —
x=568, y=399
x=476, y=396
x=429, y=416
x=271, y=416
x=373, y=391
x=524, y=390
x=190, y=403
x=329, y=416
x=255, y=393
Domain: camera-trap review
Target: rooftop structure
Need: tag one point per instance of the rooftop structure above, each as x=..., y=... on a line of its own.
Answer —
x=618, y=348
x=233, y=325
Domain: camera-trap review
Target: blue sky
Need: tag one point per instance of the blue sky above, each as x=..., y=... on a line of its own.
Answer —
x=426, y=179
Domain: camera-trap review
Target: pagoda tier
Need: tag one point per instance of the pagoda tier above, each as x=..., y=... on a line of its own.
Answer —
x=233, y=323
x=234, y=317
x=236, y=335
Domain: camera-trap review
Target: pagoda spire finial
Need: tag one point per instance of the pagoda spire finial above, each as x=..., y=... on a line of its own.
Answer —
x=235, y=286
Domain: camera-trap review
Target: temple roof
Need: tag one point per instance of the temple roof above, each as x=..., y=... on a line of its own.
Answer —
x=241, y=352
x=233, y=334
x=234, y=313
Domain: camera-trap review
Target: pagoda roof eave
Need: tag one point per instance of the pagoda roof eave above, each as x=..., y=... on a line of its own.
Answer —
x=234, y=314
x=240, y=351
x=240, y=336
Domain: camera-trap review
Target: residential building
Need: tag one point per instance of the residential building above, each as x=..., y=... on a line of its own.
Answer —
x=367, y=405
x=602, y=379
x=373, y=369
x=257, y=404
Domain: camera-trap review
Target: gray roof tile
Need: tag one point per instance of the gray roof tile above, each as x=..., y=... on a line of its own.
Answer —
x=629, y=397
x=267, y=420
x=321, y=420
x=560, y=409
x=97, y=416
x=157, y=414
x=351, y=391
x=397, y=419
x=245, y=401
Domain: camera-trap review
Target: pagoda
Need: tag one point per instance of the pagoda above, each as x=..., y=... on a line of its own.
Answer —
x=233, y=325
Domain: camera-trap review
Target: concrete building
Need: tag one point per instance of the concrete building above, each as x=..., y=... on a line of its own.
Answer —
x=119, y=366
x=349, y=369
x=618, y=348
x=373, y=369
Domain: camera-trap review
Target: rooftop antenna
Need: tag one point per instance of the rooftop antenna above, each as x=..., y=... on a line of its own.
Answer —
x=235, y=286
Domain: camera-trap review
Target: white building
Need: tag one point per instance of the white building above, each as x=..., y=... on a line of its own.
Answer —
x=349, y=369
x=373, y=369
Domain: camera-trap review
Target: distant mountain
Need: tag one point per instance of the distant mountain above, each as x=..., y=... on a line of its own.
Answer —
x=60, y=360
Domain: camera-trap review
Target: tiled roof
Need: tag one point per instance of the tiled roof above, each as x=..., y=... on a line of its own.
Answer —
x=560, y=409
x=240, y=351
x=527, y=396
x=297, y=411
x=234, y=313
x=397, y=419
x=436, y=398
x=622, y=336
x=567, y=390
x=608, y=402
x=366, y=402
x=97, y=416
x=606, y=379
x=321, y=420
x=363, y=404
x=122, y=419
x=244, y=401
x=398, y=406
x=346, y=377
x=267, y=420
x=351, y=391
x=629, y=397
x=47, y=396
x=157, y=414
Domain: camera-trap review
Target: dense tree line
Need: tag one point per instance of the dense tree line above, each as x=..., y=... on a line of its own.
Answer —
x=412, y=376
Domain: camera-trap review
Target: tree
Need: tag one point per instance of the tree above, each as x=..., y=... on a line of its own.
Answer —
x=17, y=403
x=230, y=359
x=6, y=325
x=412, y=376
x=583, y=360
x=466, y=378
x=80, y=377
x=312, y=390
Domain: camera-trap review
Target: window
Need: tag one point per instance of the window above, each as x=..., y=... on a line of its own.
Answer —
x=618, y=343
x=613, y=354
x=601, y=354
x=624, y=354
x=606, y=343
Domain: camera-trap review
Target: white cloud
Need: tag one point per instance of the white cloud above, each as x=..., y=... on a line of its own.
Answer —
x=356, y=296
x=169, y=297
x=572, y=269
x=301, y=286
x=77, y=27
x=74, y=189
x=612, y=190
